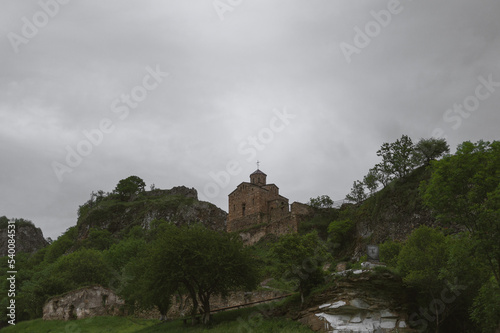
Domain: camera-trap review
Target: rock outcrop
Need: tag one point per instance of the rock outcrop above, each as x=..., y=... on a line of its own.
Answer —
x=29, y=238
x=359, y=301
x=393, y=213
x=179, y=205
x=83, y=303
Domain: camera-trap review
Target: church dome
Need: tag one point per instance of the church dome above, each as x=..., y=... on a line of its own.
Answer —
x=258, y=172
x=258, y=178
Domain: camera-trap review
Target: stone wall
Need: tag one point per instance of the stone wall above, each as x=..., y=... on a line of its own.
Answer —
x=301, y=209
x=256, y=199
x=246, y=222
x=254, y=228
x=98, y=301
x=181, y=305
x=83, y=303
x=283, y=226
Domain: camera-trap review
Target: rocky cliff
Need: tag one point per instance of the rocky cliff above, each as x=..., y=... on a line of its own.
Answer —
x=179, y=205
x=358, y=301
x=28, y=238
x=392, y=213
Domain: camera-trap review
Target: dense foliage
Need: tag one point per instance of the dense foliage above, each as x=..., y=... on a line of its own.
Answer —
x=301, y=258
x=452, y=269
x=399, y=159
x=191, y=259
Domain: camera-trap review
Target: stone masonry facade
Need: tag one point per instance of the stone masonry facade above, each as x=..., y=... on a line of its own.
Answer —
x=258, y=206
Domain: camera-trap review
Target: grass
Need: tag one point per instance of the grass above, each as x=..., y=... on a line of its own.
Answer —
x=242, y=320
x=96, y=324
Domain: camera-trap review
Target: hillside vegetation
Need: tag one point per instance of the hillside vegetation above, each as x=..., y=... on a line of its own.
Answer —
x=437, y=223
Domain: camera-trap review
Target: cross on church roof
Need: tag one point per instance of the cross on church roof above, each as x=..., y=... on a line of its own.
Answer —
x=258, y=163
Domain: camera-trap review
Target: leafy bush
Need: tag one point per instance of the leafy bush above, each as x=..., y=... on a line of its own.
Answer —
x=123, y=252
x=389, y=252
x=127, y=187
x=301, y=258
x=339, y=230
x=322, y=201
x=99, y=239
x=486, y=308
x=4, y=222
x=61, y=245
x=319, y=222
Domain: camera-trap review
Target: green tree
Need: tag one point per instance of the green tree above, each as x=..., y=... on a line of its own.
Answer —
x=322, y=201
x=82, y=268
x=357, y=194
x=339, y=231
x=427, y=150
x=382, y=173
x=468, y=270
x=420, y=262
x=99, y=239
x=120, y=254
x=301, y=257
x=129, y=186
x=486, y=308
x=200, y=261
x=146, y=285
x=389, y=252
x=61, y=245
x=4, y=222
x=397, y=157
x=371, y=180
x=465, y=189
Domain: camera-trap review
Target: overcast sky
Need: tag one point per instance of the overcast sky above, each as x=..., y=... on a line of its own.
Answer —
x=182, y=92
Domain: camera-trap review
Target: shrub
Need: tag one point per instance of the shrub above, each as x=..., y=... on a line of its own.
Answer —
x=389, y=252
x=339, y=230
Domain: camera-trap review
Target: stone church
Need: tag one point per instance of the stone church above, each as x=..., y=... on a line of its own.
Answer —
x=259, y=207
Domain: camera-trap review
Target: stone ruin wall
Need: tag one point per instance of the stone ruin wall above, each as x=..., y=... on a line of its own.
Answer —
x=285, y=225
x=99, y=301
x=181, y=305
x=246, y=222
x=84, y=303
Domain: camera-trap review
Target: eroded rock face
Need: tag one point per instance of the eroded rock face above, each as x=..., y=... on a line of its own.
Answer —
x=361, y=302
x=355, y=316
x=83, y=303
x=179, y=205
x=28, y=238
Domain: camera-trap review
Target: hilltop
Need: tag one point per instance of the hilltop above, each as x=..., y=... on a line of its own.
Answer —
x=179, y=205
x=29, y=238
x=436, y=226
